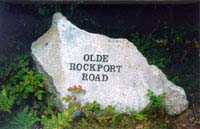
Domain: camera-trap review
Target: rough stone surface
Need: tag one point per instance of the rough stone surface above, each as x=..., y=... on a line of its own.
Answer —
x=122, y=73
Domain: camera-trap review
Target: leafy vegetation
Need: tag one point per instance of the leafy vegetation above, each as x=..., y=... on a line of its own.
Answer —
x=20, y=85
x=92, y=115
x=5, y=102
x=23, y=120
x=157, y=107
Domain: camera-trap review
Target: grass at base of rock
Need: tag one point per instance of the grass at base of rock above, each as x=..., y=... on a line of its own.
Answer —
x=169, y=122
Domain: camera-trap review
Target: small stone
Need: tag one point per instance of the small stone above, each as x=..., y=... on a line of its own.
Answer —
x=76, y=114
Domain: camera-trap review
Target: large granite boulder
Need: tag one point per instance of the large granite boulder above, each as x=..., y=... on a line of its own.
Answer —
x=111, y=71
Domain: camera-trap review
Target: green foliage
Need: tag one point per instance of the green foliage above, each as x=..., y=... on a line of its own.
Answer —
x=23, y=120
x=68, y=98
x=62, y=120
x=20, y=85
x=26, y=82
x=23, y=82
x=139, y=116
x=93, y=116
x=72, y=8
x=43, y=9
x=93, y=107
x=58, y=8
x=6, y=103
x=157, y=106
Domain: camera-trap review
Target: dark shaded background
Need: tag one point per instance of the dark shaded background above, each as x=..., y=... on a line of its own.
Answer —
x=21, y=24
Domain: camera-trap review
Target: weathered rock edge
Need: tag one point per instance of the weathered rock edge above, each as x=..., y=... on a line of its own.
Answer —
x=174, y=96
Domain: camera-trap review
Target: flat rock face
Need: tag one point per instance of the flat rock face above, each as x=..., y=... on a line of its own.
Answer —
x=111, y=71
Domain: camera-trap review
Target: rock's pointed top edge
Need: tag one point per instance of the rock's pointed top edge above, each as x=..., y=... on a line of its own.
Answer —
x=57, y=16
